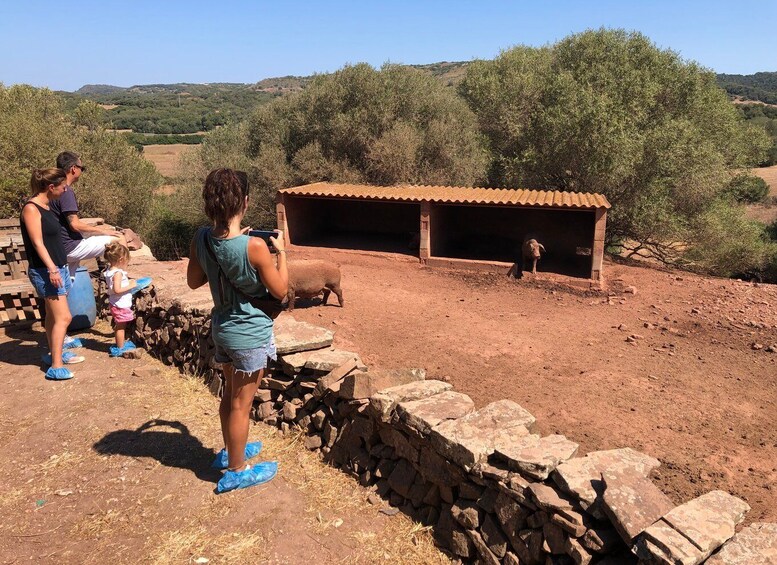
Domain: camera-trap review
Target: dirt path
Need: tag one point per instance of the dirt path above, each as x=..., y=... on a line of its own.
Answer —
x=695, y=394
x=114, y=468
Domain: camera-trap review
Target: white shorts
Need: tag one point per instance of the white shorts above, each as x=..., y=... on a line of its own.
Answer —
x=87, y=248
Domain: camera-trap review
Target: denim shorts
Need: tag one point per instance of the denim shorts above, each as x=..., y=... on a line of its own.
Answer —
x=247, y=360
x=39, y=277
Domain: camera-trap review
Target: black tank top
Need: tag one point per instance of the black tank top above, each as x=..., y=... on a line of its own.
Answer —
x=51, y=241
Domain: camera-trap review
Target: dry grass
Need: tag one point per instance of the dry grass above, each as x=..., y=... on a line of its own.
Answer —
x=765, y=213
x=188, y=545
x=166, y=158
x=769, y=174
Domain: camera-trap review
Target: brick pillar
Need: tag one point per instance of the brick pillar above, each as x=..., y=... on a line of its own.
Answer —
x=424, y=246
x=280, y=213
x=598, y=248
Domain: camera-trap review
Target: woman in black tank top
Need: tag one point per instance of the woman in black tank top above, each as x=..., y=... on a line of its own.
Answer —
x=47, y=263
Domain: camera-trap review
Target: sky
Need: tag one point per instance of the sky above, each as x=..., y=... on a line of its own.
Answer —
x=66, y=44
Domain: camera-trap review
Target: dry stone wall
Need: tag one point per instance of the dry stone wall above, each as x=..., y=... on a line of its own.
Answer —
x=493, y=489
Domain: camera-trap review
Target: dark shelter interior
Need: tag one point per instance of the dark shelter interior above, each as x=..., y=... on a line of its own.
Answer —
x=355, y=224
x=490, y=233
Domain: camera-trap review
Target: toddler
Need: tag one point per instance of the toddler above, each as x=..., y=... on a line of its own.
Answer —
x=120, y=291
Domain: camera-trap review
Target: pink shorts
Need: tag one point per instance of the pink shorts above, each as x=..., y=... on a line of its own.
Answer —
x=122, y=314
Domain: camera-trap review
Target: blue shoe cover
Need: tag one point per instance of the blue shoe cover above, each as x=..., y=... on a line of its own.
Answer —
x=72, y=342
x=128, y=346
x=68, y=357
x=61, y=374
x=222, y=458
x=252, y=476
x=140, y=284
x=115, y=351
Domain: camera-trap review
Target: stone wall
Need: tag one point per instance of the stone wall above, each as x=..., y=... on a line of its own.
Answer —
x=493, y=490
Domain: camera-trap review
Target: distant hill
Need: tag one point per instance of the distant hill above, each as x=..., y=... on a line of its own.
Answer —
x=760, y=87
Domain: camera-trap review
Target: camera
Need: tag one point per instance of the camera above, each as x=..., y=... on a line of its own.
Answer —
x=265, y=235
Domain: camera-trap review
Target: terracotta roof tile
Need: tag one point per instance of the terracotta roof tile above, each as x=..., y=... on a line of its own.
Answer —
x=453, y=195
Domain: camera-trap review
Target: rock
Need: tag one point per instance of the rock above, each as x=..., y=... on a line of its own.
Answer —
x=470, y=491
x=264, y=410
x=364, y=385
x=313, y=442
x=466, y=513
x=440, y=471
x=293, y=363
x=374, y=499
x=630, y=290
x=511, y=559
x=601, y=540
x=327, y=360
x=632, y=502
x=488, y=499
x=136, y=353
x=534, y=456
x=692, y=531
x=461, y=544
x=577, y=552
x=468, y=445
x=493, y=537
x=289, y=411
x=422, y=415
x=274, y=383
x=389, y=511
x=292, y=336
x=772, y=348
x=511, y=515
x=402, y=477
x=146, y=371
x=502, y=414
x=318, y=418
x=263, y=395
x=754, y=545
x=486, y=555
x=547, y=498
x=331, y=382
x=472, y=438
x=756, y=346
x=383, y=403
x=554, y=538
x=582, y=476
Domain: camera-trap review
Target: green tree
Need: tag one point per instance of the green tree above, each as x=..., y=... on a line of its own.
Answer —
x=607, y=111
x=386, y=126
x=34, y=129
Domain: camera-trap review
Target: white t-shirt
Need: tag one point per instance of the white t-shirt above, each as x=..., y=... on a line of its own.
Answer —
x=121, y=299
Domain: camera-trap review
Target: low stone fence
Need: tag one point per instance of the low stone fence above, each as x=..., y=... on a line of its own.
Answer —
x=494, y=491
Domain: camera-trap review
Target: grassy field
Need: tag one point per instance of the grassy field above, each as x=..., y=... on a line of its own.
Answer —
x=767, y=212
x=166, y=157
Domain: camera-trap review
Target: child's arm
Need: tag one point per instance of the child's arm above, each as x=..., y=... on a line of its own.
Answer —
x=117, y=284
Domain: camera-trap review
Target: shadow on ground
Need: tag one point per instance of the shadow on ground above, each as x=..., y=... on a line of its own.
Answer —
x=171, y=448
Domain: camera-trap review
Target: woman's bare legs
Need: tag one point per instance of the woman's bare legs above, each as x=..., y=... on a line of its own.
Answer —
x=234, y=411
x=57, y=320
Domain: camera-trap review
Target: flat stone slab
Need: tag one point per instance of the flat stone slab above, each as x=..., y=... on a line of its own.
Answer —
x=330, y=383
x=632, y=503
x=384, y=402
x=582, y=476
x=364, y=385
x=467, y=444
x=502, y=414
x=424, y=414
x=292, y=336
x=692, y=531
x=319, y=360
x=534, y=456
x=754, y=545
x=709, y=520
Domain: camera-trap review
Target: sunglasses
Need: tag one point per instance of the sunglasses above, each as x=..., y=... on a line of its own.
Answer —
x=80, y=167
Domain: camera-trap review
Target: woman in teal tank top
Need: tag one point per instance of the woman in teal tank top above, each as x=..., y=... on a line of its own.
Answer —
x=243, y=334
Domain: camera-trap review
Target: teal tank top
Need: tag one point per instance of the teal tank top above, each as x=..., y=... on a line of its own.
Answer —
x=236, y=324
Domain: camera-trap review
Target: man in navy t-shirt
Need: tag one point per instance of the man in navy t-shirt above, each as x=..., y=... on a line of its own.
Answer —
x=81, y=240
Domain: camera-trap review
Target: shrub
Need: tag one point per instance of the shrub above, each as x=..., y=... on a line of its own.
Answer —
x=747, y=188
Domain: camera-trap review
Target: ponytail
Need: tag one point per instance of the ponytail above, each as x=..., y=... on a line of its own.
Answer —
x=42, y=178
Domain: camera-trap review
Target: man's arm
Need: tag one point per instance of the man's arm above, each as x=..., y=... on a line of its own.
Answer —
x=77, y=224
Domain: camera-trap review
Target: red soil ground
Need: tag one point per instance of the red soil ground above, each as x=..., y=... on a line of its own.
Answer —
x=690, y=389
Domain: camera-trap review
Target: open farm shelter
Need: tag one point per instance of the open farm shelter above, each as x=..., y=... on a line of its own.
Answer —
x=447, y=225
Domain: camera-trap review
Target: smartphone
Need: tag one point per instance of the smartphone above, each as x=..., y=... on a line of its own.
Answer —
x=265, y=235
